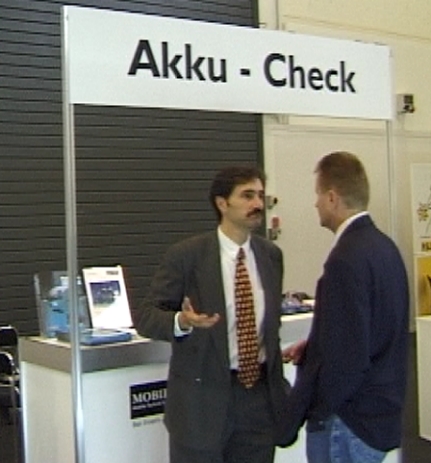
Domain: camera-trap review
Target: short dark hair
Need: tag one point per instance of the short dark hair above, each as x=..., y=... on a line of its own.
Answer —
x=228, y=178
x=343, y=172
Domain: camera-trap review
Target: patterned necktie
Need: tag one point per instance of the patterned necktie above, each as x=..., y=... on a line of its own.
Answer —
x=248, y=364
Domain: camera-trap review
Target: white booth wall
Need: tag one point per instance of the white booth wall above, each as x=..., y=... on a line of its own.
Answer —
x=292, y=145
x=292, y=156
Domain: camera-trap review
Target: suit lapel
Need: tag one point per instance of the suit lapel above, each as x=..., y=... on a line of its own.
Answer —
x=263, y=264
x=210, y=284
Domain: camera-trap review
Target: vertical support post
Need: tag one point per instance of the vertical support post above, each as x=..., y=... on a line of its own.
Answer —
x=71, y=245
x=391, y=181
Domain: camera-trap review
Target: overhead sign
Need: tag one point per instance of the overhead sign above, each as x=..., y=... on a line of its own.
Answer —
x=127, y=59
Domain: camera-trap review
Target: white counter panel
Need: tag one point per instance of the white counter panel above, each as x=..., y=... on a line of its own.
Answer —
x=110, y=435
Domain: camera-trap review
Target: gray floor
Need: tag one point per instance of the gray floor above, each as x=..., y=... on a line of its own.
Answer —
x=10, y=441
x=415, y=449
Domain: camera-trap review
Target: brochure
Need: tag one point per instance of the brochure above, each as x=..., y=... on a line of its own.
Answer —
x=107, y=297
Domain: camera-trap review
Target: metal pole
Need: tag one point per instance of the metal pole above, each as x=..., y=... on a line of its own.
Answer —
x=391, y=169
x=71, y=245
x=391, y=181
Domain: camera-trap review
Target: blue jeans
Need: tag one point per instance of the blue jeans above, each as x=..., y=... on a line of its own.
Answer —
x=334, y=442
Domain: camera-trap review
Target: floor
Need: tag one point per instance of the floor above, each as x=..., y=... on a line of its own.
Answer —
x=10, y=444
x=415, y=449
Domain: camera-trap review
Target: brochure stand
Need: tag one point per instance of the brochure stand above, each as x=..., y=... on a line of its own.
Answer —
x=52, y=302
x=100, y=322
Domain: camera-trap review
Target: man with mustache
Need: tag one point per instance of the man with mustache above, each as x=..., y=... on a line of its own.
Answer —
x=217, y=409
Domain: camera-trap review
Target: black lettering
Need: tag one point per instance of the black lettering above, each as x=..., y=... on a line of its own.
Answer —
x=221, y=77
x=170, y=65
x=267, y=69
x=346, y=82
x=315, y=78
x=193, y=67
x=297, y=76
x=150, y=63
x=329, y=84
x=293, y=70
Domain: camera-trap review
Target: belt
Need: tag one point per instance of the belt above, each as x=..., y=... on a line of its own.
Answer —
x=262, y=376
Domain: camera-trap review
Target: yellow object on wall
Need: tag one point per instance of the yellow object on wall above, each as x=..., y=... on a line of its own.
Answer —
x=423, y=285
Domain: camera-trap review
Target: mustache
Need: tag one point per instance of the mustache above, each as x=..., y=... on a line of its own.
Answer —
x=255, y=212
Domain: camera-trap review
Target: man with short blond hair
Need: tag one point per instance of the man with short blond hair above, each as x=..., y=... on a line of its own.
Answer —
x=353, y=367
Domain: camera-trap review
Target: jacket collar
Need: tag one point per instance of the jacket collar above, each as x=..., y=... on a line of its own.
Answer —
x=351, y=223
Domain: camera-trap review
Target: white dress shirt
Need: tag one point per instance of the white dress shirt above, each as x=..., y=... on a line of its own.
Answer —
x=229, y=251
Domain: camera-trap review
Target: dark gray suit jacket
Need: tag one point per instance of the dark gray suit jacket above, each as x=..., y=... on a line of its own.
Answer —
x=199, y=379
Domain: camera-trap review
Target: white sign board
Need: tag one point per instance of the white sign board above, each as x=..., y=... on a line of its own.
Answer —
x=126, y=59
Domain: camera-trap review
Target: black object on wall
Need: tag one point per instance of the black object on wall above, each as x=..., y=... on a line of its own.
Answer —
x=142, y=174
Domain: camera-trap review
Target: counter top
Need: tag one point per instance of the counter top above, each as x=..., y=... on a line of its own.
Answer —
x=57, y=355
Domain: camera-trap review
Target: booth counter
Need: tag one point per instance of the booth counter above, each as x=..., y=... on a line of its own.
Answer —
x=108, y=373
x=123, y=389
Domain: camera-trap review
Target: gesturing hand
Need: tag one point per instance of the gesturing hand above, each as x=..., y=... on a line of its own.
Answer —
x=188, y=318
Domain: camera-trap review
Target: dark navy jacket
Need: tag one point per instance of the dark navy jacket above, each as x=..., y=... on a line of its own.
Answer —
x=356, y=358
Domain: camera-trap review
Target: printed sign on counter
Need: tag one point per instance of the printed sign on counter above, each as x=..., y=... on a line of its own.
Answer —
x=147, y=399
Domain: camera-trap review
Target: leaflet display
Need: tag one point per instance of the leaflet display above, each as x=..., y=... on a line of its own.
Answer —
x=52, y=301
x=107, y=297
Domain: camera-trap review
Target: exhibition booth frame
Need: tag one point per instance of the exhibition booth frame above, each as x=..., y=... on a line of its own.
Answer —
x=125, y=59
